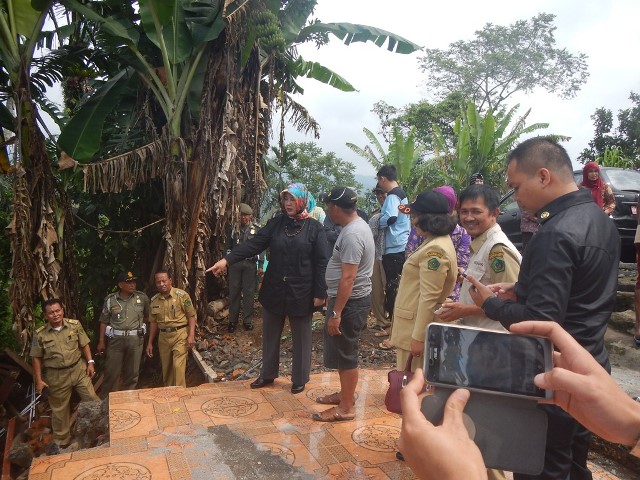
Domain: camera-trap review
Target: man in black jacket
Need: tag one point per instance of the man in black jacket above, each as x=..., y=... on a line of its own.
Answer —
x=568, y=275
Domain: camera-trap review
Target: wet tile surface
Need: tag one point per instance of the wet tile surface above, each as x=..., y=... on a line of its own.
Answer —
x=228, y=431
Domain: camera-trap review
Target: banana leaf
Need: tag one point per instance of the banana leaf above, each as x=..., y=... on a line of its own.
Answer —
x=302, y=68
x=167, y=18
x=350, y=33
x=81, y=137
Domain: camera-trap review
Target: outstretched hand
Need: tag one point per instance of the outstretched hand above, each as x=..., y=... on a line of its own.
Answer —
x=218, y=268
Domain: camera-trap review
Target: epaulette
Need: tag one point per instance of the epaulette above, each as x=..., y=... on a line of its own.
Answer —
x=40, y=329
x=155, y=296
x=72, y=321
x=180, y=293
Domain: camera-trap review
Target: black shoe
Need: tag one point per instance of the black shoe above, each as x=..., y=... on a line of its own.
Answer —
x=399, y=456
x=261, y=382
x=247, y=326
x=297, y=388
x=231, y=328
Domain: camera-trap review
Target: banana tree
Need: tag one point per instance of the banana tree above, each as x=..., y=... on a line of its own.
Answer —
x=404, y=153
x=481, y=145
x=213, y=70
x=41, y=226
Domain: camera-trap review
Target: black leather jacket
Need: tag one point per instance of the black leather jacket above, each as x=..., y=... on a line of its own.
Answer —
x=297, y=264
x=569, y=273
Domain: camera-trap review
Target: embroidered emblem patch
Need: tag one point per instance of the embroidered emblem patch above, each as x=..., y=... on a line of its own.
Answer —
x=433, y=264
x=187, y=303
x=496, y=255
x=497, y=265
x=434, y=254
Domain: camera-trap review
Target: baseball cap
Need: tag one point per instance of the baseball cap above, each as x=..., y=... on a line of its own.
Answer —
x=427, y=202
x=341, y=196
x=245, y=209
x=125, y=277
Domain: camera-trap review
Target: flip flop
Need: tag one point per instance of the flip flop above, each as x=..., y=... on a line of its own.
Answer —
x=332, y=399
x=381, y=333
x=332, y=415
x=385, y=345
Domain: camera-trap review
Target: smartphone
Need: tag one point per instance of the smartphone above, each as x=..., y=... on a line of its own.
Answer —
x=486, y=360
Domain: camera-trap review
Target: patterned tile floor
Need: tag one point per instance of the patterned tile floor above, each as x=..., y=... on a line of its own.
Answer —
x=228, y=431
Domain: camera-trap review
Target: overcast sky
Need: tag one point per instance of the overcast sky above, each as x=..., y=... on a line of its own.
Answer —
x=606, y=30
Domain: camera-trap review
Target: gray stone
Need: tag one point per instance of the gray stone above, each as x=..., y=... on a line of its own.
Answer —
x=92, y=421
x=20, y=453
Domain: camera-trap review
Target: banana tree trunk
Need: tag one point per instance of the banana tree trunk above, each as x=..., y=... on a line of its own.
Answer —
x=43, y=264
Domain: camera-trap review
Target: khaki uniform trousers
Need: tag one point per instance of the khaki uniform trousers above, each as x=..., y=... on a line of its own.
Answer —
x=378, y=282
x=173, y=355
x=123, y=357
x=61, y=384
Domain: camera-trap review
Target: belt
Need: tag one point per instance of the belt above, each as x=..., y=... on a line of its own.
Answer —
x=171, y=329
x=67, y=367
x=125, y=333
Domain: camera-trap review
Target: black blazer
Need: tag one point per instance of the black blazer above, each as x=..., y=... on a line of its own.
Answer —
x=297, y=264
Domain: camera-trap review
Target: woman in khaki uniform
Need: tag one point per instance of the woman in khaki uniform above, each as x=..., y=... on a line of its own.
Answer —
x=428, y=276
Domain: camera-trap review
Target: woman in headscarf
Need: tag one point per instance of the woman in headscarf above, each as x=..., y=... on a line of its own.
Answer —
x=460, y=238
x=293, y=284
x=601, y=192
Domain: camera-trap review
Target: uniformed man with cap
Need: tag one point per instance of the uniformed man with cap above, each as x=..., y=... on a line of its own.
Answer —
x=173, y=315
x=57, y=350
x=242, y=275
x=122, y=321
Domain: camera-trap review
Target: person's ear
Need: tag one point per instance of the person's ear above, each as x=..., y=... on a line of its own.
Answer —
x=544, y=175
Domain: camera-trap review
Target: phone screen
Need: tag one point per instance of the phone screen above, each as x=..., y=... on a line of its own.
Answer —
x=486, y=360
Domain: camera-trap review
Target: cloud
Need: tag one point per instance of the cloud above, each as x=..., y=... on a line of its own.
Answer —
x=605, y=31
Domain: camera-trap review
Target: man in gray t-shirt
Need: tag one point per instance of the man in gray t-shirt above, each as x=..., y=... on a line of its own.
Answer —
x=348, y=277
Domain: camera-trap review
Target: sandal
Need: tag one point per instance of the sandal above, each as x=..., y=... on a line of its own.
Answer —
x=385, y=345
x=381, y=333
x=332, y=399
x=332, y=415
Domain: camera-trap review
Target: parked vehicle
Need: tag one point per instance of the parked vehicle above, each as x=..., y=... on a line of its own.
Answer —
x=625, y=185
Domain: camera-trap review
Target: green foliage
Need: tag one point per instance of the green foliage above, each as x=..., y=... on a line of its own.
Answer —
x=306, y=162
x=482, y=142
x=612, y=157
x=404, y=153
x=501, y=60
x=7, y=338
x=422, y=116
x=619, y=146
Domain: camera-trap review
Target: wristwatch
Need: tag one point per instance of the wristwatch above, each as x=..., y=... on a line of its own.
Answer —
x=335, y=314
x=90, y=361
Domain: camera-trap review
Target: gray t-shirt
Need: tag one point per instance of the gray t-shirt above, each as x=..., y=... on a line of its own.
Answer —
x=355, y=246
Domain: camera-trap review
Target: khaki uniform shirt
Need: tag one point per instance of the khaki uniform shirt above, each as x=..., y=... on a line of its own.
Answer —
x=428, y=278
x=172, y=310
x=125, y=313
x=504, y=266
x=59, y=349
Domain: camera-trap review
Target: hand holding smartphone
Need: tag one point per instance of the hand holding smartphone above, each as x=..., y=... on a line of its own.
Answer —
x=486, y=360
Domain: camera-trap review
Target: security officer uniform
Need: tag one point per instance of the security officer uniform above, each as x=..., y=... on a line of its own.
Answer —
x=64, y=370
x=242, y=276
x=126, y=318
x=171, y=313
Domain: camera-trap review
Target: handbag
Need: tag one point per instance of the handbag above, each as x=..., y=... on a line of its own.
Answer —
x=397, y=380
